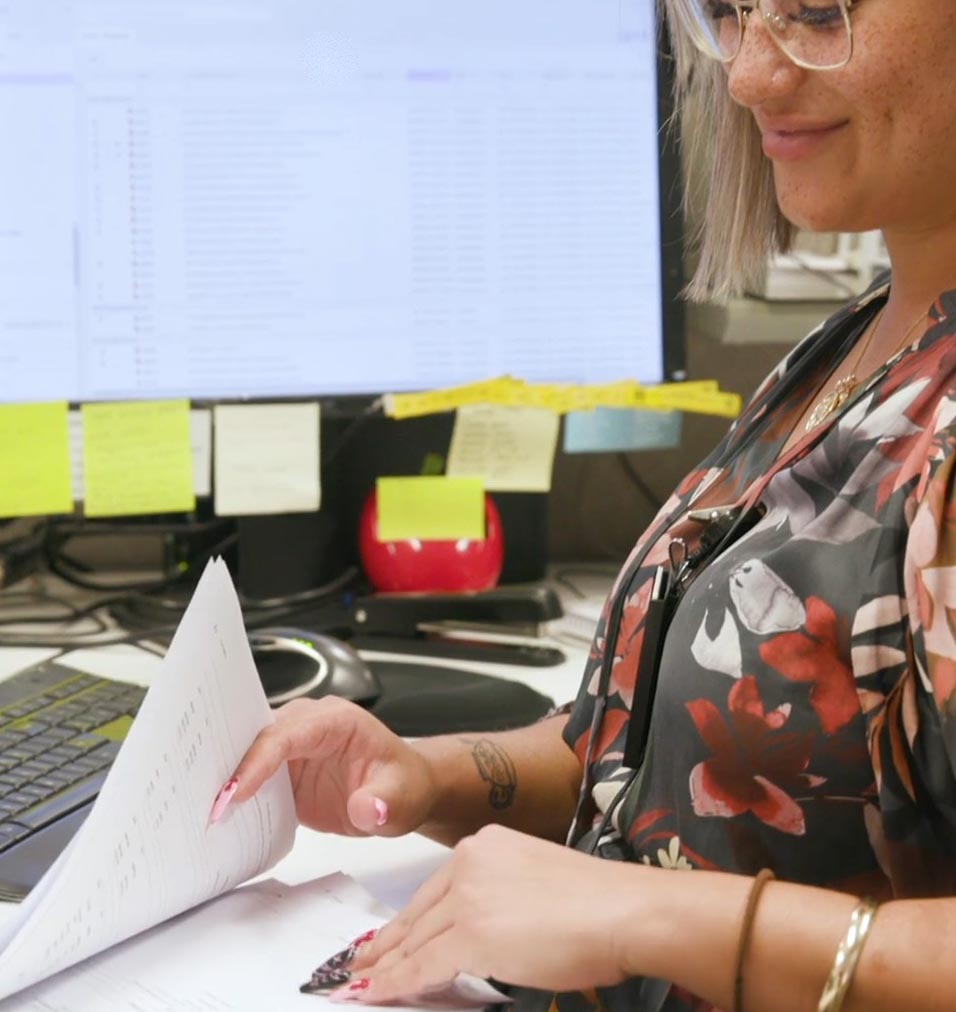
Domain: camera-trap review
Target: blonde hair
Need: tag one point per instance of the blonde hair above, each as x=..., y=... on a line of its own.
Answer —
x=741, y=223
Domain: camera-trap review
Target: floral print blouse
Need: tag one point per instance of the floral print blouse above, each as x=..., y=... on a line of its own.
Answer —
x=805, y=715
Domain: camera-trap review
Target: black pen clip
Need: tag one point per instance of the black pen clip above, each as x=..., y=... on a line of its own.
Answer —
x=656, y=621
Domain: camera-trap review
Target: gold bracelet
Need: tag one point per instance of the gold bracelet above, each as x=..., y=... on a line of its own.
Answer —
x=847, y=956
x=762, y=878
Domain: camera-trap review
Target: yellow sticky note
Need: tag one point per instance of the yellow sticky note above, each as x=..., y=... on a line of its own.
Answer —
x=510, y=448
x=34, y=460
x=432, y=402
x=442, y=509
x=137, y=458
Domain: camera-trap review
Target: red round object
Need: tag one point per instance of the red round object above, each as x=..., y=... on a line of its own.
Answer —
x=418, y=565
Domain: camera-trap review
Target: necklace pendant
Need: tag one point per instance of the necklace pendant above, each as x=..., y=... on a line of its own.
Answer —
x=832, y=402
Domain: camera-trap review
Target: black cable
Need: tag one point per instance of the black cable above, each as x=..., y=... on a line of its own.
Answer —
x=95, y=639
x=255, y=612
x=82, y=641
x=616, y=802
x=346, y=577
x=69, y=617
x=73, y=612
x=327, y=589
x=119, y=592
x=631, y=471
x=54, y=556
x=74, y=527
x=13, y=597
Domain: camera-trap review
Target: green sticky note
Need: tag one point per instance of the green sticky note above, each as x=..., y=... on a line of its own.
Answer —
x=137, y=458
x=34, y=460
x=439, y=509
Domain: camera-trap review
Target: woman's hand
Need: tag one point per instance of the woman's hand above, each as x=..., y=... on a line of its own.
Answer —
x=507, y=906
x=350, y=774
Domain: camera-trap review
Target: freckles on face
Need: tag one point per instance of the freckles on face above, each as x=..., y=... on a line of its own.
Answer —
x=890, y=158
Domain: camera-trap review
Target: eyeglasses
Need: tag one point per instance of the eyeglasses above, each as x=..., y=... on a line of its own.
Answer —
x=815, y=34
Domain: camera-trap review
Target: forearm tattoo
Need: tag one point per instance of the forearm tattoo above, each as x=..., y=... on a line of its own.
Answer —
x=496, y=769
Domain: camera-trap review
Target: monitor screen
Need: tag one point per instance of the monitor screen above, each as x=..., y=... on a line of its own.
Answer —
x=288, y=198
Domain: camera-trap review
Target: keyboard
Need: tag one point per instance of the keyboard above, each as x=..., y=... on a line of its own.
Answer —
x=60, y=730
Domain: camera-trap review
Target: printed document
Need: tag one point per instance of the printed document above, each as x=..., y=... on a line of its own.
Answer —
x=147, y=851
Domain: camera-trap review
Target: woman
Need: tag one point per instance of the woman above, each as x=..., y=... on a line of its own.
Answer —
x=804, y=710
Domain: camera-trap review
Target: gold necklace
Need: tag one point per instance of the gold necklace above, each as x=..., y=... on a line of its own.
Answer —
x=845, y=386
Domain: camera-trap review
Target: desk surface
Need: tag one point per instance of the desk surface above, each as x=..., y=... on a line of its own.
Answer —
x=389, y=869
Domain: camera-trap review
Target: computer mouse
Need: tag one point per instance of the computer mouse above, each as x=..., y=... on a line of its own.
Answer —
x=294, y=662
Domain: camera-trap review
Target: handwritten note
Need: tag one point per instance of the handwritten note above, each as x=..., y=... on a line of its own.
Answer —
x=266, y=459
x=137, y=458
x=441, y=509
x=34, y=460
x=200, y=428
x=511, y=449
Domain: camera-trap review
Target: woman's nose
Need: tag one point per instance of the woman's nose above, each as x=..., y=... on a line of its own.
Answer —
x=761, y=70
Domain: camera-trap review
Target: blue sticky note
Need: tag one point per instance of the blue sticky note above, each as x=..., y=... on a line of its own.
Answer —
x=613, y=430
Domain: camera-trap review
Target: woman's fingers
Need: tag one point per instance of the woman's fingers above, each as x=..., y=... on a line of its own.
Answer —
x=433, y=966
x=350, y=774
x=434, y=922
x=394, y=934
x=302, y=728
x=499, y=908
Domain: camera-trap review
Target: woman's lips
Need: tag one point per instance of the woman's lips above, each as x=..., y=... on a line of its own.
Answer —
x=789, y=145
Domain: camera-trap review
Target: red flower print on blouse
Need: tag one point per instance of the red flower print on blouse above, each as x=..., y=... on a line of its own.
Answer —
x=813, y=657
x=753, y=760
x=630, y=639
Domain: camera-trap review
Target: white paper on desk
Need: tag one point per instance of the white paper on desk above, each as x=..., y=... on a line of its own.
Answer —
x=147, y=852
x=246, y=951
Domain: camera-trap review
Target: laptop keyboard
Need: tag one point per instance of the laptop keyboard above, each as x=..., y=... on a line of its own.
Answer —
x=59, y=733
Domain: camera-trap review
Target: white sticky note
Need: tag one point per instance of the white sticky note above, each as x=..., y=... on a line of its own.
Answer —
x=200, y=429
x=510, y=448
x=616, y=430
x=266, y=459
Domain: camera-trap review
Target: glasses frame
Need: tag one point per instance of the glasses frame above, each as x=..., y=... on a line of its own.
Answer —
x=745, y=8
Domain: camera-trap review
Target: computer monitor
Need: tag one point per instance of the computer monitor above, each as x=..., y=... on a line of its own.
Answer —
x=277, y=199
x=335, y=199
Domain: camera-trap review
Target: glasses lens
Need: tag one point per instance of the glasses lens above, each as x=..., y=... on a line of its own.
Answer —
x=815, y=33
x=715, y=26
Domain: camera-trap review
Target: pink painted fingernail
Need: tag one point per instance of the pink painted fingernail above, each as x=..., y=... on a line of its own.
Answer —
x=223, y=798
x=364, y=939
x=381, y=812
x=351, y=992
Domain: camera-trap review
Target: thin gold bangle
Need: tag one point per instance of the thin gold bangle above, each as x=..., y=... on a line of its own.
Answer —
x=847, y=956
x=762, y=878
